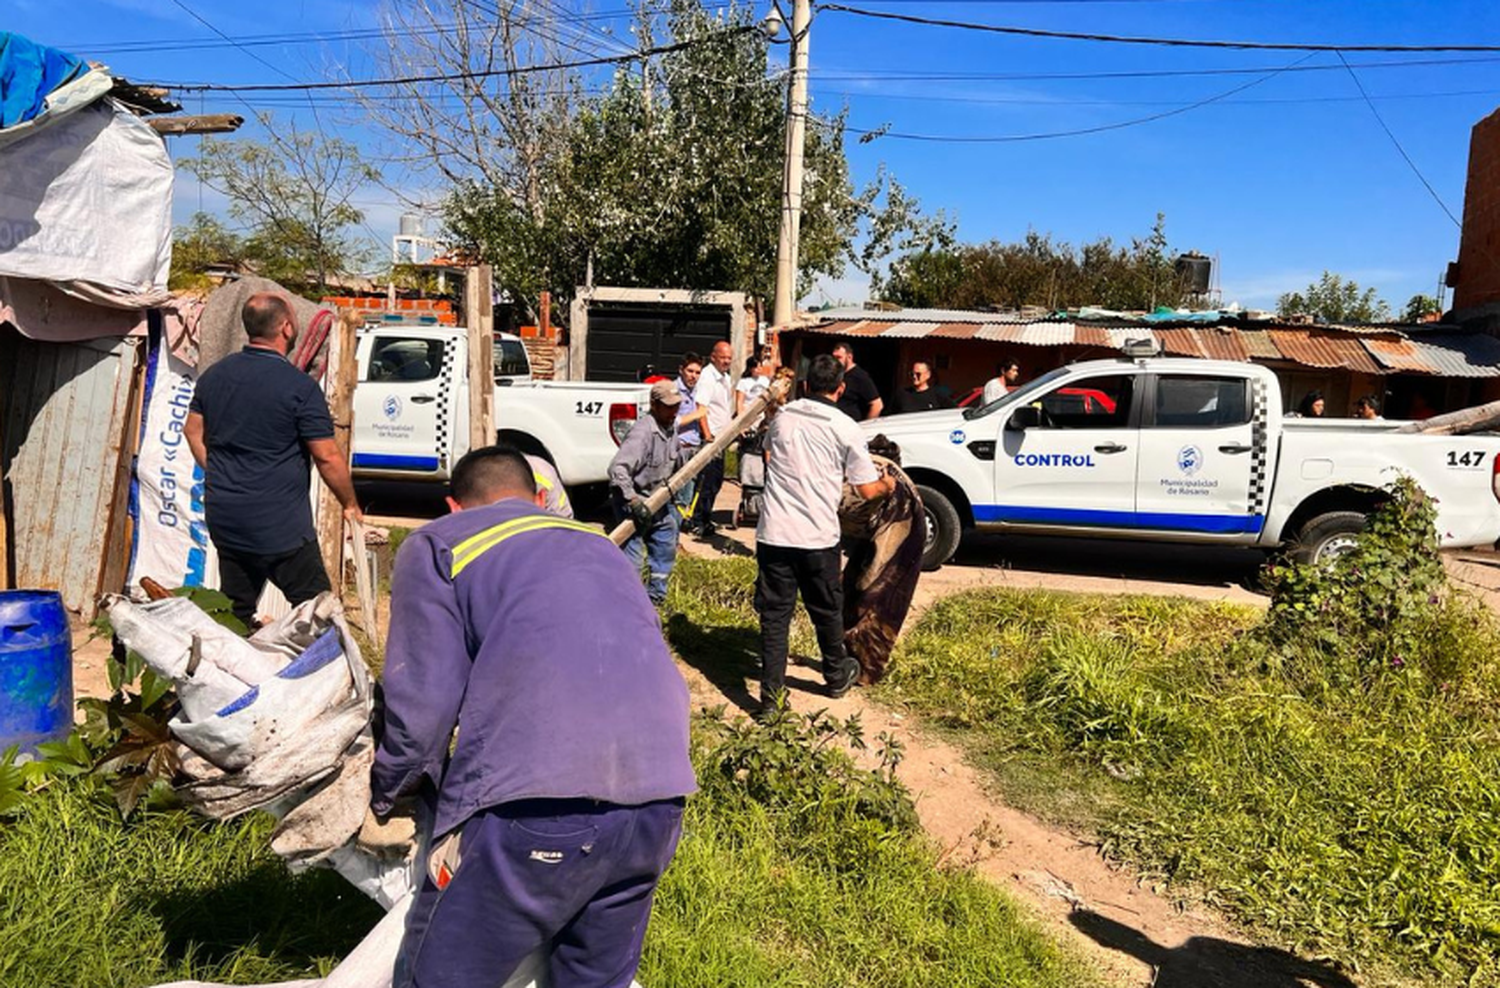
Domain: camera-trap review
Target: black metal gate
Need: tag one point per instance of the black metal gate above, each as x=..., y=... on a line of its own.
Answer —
x=624, y=339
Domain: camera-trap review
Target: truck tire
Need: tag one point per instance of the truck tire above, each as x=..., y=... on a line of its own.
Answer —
x=1327, y=536
x=943, y=527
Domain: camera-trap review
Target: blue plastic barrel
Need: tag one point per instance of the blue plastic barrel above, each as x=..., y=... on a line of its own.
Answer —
x=36, y=669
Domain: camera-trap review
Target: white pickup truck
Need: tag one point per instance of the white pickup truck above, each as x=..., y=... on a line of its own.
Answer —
x=411, y=407
x=1178, y=450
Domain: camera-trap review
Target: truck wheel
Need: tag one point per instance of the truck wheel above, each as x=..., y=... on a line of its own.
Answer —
x=943, y=527
x=1328, y=536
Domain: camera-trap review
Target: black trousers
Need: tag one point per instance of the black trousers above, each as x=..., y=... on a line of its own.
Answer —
x=709, y=481
x=783, y=573
x=298, y=574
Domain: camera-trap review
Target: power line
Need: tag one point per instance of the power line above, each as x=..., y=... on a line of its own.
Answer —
x=1029, y=32
x=855, y=75
x=195, y=16
x=1041, y=101
x=447, y=76
x=1079, y=132
x=1406, y=157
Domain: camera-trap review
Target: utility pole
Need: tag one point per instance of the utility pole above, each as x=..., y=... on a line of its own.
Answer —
x=791, y=191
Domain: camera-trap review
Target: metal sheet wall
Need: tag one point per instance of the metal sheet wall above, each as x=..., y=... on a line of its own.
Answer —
x=63, y=410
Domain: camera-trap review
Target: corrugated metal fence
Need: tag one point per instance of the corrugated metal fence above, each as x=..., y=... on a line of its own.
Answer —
x=64, y=409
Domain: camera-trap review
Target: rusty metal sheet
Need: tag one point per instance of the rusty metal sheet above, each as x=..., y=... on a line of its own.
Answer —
x=1397, y=355
x=867, y=327
x=911, y=330
x=1222, y=344
x=1325, y=349
x=1090, y=336
x=956, y=330
x=1000, y=332
x=1259, y=345
x=1179, y=342
x=1459, y=354
x=64, y=420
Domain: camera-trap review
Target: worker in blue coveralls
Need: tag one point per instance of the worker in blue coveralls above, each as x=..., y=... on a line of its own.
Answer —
x=648, y=456
x=560, y=803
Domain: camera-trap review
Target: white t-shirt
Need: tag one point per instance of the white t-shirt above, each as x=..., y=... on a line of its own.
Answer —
x=715, y=392
x=753, y=387
x=813, y=448
x=994, y=389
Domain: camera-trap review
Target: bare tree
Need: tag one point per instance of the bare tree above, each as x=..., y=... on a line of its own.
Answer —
x=492, y=125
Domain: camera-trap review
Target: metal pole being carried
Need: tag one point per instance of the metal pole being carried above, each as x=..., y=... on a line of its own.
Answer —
x=659, y=498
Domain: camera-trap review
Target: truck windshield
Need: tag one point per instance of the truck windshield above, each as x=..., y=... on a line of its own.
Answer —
x=1021, y=395
x=510, y=358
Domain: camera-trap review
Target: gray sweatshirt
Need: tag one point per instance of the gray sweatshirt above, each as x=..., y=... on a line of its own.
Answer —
x=647, y=457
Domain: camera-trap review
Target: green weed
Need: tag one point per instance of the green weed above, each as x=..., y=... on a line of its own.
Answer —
x=1338, y=792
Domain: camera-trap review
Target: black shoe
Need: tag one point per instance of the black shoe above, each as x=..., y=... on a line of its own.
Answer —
x=842, y=681
x=772, y=706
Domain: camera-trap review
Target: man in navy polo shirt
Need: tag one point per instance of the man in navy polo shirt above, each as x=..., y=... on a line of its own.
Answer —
x=255, y=425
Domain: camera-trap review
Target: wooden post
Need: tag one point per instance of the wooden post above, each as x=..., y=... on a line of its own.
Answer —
x=119, y=531
x=546, y=320
x=479, y=317
x=338, y=385
x=1480, y=418
x=5, y=580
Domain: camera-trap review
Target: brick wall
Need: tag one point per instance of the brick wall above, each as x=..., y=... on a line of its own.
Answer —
x=1478, y=281
x=541, y=350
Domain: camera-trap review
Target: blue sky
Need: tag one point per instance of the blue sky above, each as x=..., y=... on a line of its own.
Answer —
x=1282, y=180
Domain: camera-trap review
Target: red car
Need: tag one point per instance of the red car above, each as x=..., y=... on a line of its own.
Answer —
x=1066, y=401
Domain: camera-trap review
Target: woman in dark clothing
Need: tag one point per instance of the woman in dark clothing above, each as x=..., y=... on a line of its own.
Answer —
x=1312, y=405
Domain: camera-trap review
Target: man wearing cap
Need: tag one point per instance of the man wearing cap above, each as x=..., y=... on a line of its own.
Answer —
x=648, y=456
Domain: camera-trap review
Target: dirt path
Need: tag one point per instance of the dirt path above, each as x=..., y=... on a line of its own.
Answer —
x=1136, y=936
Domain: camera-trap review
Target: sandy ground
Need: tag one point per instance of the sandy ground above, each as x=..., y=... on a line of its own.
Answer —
x=1136, y=936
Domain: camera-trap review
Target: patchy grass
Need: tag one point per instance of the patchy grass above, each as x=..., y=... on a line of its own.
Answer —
x=1353, y=815
x=796, y=869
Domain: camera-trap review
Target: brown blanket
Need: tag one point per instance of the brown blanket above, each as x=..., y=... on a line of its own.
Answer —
x=884, y=540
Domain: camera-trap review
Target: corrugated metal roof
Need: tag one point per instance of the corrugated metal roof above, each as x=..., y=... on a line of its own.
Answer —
x=1324, y=348
x=1259, y=345
x=956, y=330
x=1119, y=337
x=1179, y=342
x=855, y=313
x=1397, y=355
x=1090, y=336
x=1047, y=334
x=1221, y=344
x=911, y=330
x=997, y=333
x=1460, y=355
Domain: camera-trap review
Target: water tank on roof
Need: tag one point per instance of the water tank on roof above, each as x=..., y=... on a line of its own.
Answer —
x=411, y=225
x=1196, y=270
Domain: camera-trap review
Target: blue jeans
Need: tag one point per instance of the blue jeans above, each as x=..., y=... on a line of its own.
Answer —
x=658, y=550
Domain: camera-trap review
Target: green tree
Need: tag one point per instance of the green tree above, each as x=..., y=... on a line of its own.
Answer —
x=1335, y=299
x=203, y=243
x=1039, y=271
x=291, y=192
x=672, y=177
x=1418, y=307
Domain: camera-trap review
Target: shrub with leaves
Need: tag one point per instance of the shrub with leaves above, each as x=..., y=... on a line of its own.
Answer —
x=1375, y=607
x=798, y=764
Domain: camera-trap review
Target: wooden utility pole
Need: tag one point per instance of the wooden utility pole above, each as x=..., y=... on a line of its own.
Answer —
x=791, y=190
x=342, y=372
x=479, y=317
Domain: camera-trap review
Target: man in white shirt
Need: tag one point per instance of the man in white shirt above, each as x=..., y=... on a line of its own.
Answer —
x=812, y=448
x=715, y=392
x=1008, y=373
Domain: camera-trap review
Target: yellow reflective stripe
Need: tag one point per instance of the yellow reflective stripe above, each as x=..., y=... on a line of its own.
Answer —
x=471, y=549
x=541, y=481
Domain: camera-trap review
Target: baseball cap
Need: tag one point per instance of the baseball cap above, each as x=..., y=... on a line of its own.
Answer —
x=666, y=393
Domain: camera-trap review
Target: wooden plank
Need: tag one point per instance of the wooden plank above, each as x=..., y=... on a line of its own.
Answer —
x=339, y=387
x=119, y=528
x=6, y=580
x=479, y=317
x=212, y=123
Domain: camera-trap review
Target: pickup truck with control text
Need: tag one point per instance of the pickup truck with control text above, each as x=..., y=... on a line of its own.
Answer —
x=411, y=407
x=1179, y=450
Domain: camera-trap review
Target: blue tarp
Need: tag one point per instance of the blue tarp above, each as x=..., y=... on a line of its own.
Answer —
x=28, y=73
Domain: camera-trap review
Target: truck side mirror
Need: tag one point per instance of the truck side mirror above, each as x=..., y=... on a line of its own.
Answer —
x=1023, y=418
